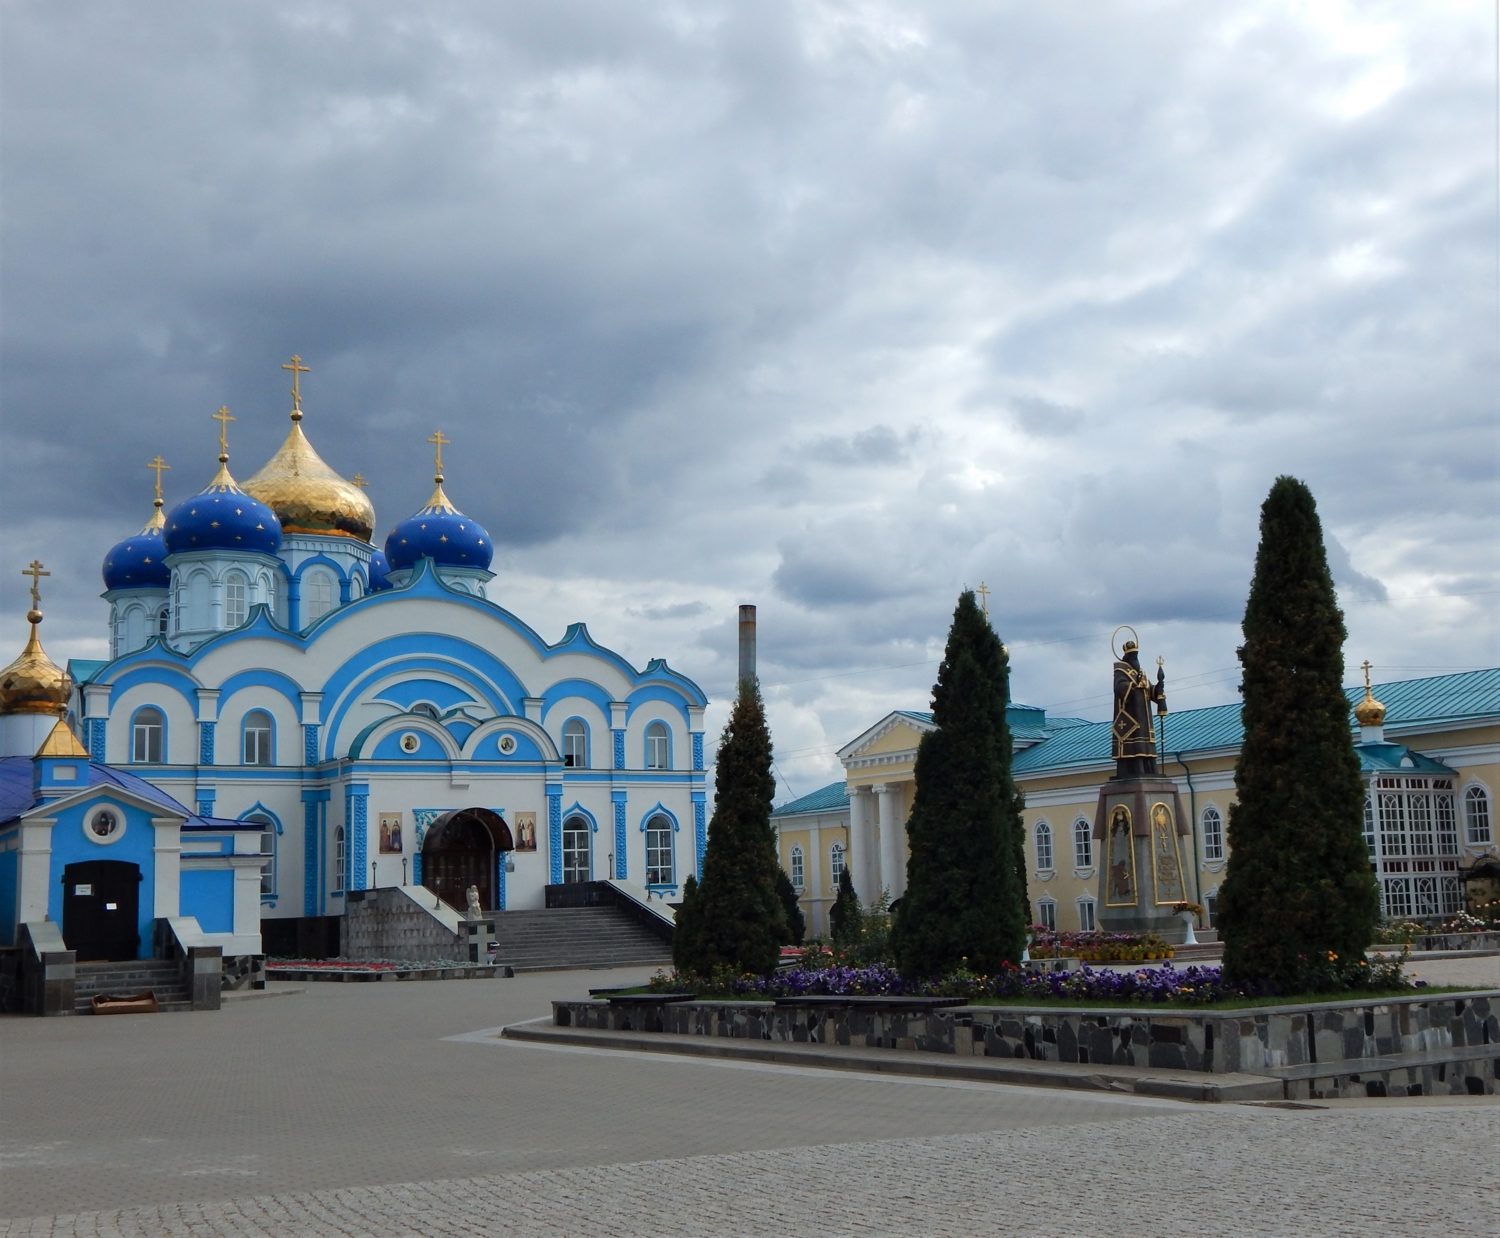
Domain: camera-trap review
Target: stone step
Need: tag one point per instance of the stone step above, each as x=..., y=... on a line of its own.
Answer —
x=535, y=940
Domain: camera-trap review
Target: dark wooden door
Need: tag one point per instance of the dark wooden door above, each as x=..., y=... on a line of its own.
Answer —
x=460, y=856
x=101, y=910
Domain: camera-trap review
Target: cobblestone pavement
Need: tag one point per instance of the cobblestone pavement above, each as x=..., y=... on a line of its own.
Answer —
x=1242, y=1171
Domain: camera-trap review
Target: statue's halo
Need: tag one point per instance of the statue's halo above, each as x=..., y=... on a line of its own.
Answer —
x=1124, y=627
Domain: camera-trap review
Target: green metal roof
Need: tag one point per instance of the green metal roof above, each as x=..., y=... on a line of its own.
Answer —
x=84, y=669
x=826, y=799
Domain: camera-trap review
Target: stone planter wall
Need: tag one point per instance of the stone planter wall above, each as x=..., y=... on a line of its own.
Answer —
x=1457, y=941
x=1402, y=1046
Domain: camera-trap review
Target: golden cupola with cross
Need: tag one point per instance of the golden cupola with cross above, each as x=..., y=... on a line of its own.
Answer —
x=306, y=495
x=34, y=683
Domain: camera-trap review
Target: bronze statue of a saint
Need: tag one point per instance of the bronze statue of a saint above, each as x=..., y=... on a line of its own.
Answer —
x=1134, y=738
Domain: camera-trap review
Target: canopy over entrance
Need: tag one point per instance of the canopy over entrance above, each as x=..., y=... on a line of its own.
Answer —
x=461, y=849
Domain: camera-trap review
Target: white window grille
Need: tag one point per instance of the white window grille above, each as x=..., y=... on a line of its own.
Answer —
x=1043, y=847
x=659, y=867
x=146, y=736
x=1447, y=823
x=234, y=600
x=268, y=851
x=1477, y=816
x=836, y=864
x=317, y=596
x=1046, y=914
x=1213, y=833
x=338, y=860
x=1419, y=823
x=1392, y=820
x=798, y=869
x=575, y=743
x=1370, y=824
x=1083, y=843
x=657, y=745
x=1398, y=901
x=577, y=860
x=258, y=738
x=1086, y=915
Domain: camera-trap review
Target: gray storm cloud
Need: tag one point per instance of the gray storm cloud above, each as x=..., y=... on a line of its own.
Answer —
x=833, y=307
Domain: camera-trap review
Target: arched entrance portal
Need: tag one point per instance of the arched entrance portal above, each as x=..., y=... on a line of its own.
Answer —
x=461, y=849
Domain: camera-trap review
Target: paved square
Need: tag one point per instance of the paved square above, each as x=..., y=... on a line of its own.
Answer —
x=302, y=1112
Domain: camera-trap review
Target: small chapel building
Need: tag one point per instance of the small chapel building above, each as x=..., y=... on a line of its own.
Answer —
x=317, y=715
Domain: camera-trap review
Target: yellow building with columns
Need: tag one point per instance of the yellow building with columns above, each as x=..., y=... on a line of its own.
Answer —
x=1430, y=759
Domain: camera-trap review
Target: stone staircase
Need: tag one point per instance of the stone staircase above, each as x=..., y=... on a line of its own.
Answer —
x=162, y=976
x=562, y=937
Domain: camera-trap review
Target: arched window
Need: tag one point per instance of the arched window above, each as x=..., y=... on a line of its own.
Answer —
x=1211, y=907
x=258, y=738
x=356, y=587
x=1213, y=833
x=575, y=743
x=338, y=860
x=657, y=744
x=1086, y=921
x=659, y=867
x=577, y=862
x=799, y=869
x=836, y=864
x=425, y=710
x=317, y=596
x=147, y=732
x=1477, y=816
x=236, y=599
x=161, y=621
x=1043, y=847
x=1083, y=843
x=1046, y=914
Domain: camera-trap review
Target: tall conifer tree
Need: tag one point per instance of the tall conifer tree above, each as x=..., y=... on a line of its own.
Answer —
x=734, y=916
x=966, y=880
x=1298, y=884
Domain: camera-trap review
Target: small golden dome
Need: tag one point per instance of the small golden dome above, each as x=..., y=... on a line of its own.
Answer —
x=34, y=683
x=308, y=496
x=1369, y=712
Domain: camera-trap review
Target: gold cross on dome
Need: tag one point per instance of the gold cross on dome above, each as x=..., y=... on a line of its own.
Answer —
x=36, y=573
x=223, y=418
x=159, y=465
x=440, y=441
x=984, y=596
x=359, y=480
x=1365, y=666
x=298, y=369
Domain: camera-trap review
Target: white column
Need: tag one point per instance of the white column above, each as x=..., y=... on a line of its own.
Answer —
x=892, y=839
x=36, y=869
x=167, y=898
x=247, y=895
x=813, y=902
x=863, y=865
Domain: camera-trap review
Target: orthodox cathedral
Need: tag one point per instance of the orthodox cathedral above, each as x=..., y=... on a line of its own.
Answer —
x=291, y=715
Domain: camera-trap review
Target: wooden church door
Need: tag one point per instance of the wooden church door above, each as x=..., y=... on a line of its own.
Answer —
x=101, y=906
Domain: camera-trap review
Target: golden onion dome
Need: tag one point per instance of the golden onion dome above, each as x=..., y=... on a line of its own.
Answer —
x=34, y=683
x=1369, y=712
x=308, y=496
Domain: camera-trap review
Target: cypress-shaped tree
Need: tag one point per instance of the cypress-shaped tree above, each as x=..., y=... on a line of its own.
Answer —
x=1298, y=885
x=796, y=922
x=733, y=918
x=966, y=880
x=846, y=918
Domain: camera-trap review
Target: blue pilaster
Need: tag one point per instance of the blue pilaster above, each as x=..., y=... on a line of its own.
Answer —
x=356, y=816
x=697, y=749
x=554, y=832
x=206, y=798
x=310, y=743
x=312, y=865
x=206, y=743
x=700, y=828
x=621, y=868
x=499, y=882
x=619, y=749
x=96, y=738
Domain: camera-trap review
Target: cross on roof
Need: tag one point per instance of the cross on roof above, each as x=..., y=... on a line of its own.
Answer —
x=223, y=418
x=36, y=573
x=984, y=596
x=298, y=369
x=359, y=480
x=159, y=465
x=440, y=441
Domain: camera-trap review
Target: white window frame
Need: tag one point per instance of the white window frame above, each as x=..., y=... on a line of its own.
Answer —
x=1042, y=830
x=658, y=746
x=836, y=864
x=661, y=863
x=797, y=866
x=1087, y=923
x=143, y=731
x=339, y=848
x=1479, y=828
x=314, y=608
x=259, y=750
x=236, y=599
x=1211, y=827
x=1046, y=913
x=1083, y=843
x=575, y=737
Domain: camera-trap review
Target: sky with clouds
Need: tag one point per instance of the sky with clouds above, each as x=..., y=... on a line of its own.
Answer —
x=836, y=308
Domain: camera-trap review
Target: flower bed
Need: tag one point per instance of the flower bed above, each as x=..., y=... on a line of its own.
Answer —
x=1098, y=947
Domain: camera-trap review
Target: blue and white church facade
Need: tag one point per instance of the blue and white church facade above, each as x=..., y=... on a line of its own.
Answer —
x=377, y=716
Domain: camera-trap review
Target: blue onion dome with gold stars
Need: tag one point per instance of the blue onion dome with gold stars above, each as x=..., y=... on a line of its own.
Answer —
x=379, y=566
x=223, y=517
x=439, y=531
x=137, y=562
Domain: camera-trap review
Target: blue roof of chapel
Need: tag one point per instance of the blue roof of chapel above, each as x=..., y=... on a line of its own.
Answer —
x=18, y=791
x=826, y=799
